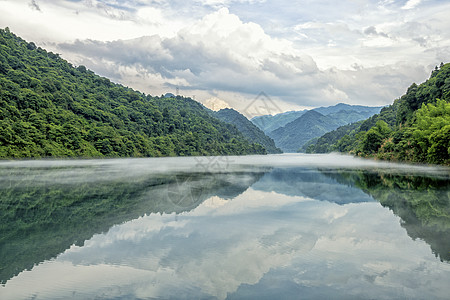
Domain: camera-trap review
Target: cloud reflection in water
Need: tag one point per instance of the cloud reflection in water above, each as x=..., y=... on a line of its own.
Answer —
x=235, y=247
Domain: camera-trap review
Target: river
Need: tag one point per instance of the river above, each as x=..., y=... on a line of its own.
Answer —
x=290, y=226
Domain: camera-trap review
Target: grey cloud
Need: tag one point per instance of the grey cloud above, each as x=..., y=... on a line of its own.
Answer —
x=370, y=30
x=208, y=68
x=421, y=41
x=373, y=31
x=247, y=61
x=294, y=79
x=111, y=9
x=372, y=85
x=34, y=5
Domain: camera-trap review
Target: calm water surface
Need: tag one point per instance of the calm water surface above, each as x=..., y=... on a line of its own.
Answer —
x=254, y=227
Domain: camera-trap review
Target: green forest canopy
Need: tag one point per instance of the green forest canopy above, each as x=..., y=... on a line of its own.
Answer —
x=49, y=108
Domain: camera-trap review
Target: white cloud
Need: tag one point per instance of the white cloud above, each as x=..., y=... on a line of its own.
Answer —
x=219, y=52
x=216, y=103
x=411, y=4
x=58, y=21
x=297, y=54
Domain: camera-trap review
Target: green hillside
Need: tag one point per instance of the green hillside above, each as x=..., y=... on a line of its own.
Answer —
x=49, y=108
x=416, y=127
x=295, y=134
x=327, y=142
x=252, y=133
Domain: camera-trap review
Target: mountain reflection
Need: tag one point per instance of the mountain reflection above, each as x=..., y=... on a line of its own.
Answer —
x=288, y=212
x=43, y=213
x=422, y=202
x=311, y=183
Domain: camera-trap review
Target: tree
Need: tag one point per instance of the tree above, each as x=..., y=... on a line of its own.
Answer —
x=375, y=136
x=431, y=132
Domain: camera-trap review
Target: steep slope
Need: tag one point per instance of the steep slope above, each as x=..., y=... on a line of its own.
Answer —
x=49, y=108
x=331, y=118
x=252, y=133
x=416, y=127
x=269, y=123
x=343, y=113
x=326, y=143
x=295, y=134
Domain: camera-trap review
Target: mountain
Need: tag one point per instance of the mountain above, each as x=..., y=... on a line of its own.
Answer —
x=339, y=108
x=344, y=112
x=269, y=123
x=335, y=116
x=49, y=108
x=350, y=113
x=324, y=144
x=295, y=134
x=309, y=183
x=416, y=127
x=252, y=133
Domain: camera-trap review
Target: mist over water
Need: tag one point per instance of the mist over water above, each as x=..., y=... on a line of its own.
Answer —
x=73, y=171
x=276, y=226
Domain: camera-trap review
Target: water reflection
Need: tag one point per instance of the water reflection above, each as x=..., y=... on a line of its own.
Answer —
x=312, y=183
x=243, y=230
x=43, y=212
x=422, y=203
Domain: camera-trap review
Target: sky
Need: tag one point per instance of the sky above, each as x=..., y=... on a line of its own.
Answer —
x=257, y=56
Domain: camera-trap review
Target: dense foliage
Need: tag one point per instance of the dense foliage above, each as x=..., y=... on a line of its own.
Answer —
x=49, y=108
x=416, y=127
x=249, y=130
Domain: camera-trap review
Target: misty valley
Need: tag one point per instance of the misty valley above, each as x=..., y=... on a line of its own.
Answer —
x=228, y=227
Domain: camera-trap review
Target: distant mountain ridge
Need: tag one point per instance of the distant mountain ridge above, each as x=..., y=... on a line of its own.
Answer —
x=268, y=123
x=292, y=130
x=249, y=130
x=327, y=110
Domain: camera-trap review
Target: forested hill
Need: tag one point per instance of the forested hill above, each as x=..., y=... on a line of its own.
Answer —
x=416, y=127
x=49, y=108
x=295, y=134
x=269, y=123
x=252, y=133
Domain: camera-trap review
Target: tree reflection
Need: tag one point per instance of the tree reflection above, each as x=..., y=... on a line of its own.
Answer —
x=41, y=218
x=422, y=203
